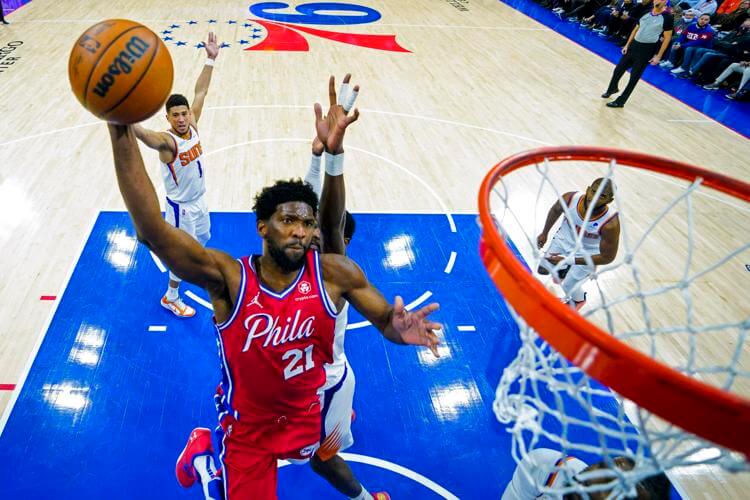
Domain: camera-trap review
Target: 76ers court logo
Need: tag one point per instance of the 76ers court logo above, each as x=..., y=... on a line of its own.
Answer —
x=286, y=31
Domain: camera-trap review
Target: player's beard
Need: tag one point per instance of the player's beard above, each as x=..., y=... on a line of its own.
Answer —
x=282, y=259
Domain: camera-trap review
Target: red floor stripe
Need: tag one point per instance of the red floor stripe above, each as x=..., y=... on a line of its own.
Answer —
x=7, y=387
x=48, y=297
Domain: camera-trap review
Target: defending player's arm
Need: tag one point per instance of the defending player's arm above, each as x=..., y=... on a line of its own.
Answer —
x=184, y=255
x=554, y=213
x=204, y=79
x=160, y=141
x=393, y=320
x=330, y=132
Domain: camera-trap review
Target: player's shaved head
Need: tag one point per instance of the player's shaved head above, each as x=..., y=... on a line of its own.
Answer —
x=608, y=185
x=606, y=195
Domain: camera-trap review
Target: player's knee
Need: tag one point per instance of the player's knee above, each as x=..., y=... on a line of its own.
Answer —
x=318, y=464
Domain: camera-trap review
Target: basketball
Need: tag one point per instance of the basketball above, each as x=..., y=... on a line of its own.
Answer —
x=120, y=71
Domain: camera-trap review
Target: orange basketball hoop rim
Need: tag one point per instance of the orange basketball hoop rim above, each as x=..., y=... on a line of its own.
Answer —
x=701, y=409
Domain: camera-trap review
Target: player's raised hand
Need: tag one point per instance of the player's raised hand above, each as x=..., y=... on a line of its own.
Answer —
x=317, y=146
x=541, y=240
x=414, y=327
x=332, y=126
x=212, y=46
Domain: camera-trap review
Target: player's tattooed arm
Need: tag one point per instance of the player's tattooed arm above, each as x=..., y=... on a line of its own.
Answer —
x=393, y=320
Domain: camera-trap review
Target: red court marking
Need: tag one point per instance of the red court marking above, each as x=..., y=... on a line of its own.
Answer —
x=48, y=297
x=7, y=387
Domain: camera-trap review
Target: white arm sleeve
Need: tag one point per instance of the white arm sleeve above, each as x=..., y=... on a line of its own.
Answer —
x=313, y=174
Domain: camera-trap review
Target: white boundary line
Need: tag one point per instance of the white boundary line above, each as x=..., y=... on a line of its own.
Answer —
x=398, y=469
x=692, y=121
x=451, y=262
x=43, y=334
x=381, y=112
x=411, y=305
x=157, y=328
x=467, y=328
x=158, y=262
x=199, y=300
x=49, y=132
x=429, y=189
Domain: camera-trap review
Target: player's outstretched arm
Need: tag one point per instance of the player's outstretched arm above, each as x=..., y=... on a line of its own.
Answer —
x=160, y=141
x=395, y=323
x=204, y=79
x=184, y=255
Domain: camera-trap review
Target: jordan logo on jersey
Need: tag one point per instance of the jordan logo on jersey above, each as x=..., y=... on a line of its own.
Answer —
x=261, y=325
x=255, y=301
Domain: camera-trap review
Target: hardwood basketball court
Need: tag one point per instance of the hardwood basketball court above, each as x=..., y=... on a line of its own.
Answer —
x=480, y=81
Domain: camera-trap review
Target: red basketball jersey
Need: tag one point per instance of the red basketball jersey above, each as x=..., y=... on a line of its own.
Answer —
x=274, y=345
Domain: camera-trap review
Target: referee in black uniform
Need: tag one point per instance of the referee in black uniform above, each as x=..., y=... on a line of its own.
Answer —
x=641, y=49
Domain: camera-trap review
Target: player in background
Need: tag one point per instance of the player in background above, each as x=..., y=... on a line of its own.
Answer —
x=552, y=469
x=183, y=170
x=588, y=213
x=336, y=228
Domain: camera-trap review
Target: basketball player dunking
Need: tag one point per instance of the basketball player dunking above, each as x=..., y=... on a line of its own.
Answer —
x=599, y=242
x=183, y=170
x=275, y=316
x=337, y=395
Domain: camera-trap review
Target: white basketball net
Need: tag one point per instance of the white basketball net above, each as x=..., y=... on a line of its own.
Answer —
x=669, y=293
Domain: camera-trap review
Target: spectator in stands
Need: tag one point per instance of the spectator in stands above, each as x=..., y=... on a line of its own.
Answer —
x=735, y=46
x=583, y=8
x=728, y=6
x=686, y=19
x=641, y=49
x=698, y=34
x=610, y=16
x=704, y=7
x=732, y=20
x=742, y=67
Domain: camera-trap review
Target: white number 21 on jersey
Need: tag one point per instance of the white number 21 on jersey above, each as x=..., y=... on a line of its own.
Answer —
x=295, y=366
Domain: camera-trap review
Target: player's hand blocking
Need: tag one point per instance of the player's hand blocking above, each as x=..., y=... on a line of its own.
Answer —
x=414, y=327
x=332, y=126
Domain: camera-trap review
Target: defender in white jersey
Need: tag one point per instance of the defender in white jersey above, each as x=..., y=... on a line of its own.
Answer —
x=546, y=469
x=336, y=228
x=588, y=217
x=183, y=170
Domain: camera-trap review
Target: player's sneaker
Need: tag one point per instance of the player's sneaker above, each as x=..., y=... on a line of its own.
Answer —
x=178, y=307
x=381, y=495
x=199, y=443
